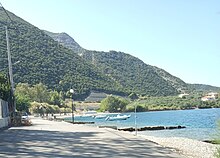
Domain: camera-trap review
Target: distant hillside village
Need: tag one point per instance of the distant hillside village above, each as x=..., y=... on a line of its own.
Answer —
x=212, y=96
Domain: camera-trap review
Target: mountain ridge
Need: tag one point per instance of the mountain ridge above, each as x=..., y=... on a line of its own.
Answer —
x=176, y=82
x=66, y=40
x=96, y=58
x=204, y=87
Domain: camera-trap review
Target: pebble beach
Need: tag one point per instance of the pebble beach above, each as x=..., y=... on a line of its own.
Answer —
x=188, y=147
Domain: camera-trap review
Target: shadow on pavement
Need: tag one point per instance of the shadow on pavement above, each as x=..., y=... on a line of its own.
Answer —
x=39, y=143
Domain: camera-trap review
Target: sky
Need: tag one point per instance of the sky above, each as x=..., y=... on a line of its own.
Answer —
x=179, y=36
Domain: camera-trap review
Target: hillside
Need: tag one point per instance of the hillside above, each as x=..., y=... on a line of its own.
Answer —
x=203, y=88
x=66, y=41
x=176, y=82
x=44, y=60
x=63, y=64
x=132, y=73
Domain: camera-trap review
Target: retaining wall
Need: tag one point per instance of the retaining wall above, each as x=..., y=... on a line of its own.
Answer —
x=4, y=114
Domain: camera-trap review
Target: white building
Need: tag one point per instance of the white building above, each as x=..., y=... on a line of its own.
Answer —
x=182, y=95
x=210, y=97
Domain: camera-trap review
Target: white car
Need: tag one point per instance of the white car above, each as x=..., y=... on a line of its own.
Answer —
x=25, y=120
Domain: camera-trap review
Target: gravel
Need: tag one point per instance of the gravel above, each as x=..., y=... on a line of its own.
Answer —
x=189, y=147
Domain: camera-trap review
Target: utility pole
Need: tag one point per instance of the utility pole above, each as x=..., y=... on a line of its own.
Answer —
x=93, y=59
x=72, y=91
x=10, y=70
x=135, y=119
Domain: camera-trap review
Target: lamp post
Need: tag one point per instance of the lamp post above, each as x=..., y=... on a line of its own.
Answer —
x=4, y=69
x=135, y=119
x=72, y=91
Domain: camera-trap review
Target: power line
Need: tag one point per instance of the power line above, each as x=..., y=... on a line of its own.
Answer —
x=6, y=13
x=12, y=22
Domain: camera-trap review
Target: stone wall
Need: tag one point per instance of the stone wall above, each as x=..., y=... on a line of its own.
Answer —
x=4, y=114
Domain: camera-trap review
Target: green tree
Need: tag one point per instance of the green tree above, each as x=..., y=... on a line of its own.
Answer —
x=36, y=108
x=23, y=89
x=23, y=99
x=39, y=93
x=113, y=104
x=55, y=98
x=4, y=87
x=22, y=103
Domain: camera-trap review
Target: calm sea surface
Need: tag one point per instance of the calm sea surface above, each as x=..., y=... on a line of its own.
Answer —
x=200, y=123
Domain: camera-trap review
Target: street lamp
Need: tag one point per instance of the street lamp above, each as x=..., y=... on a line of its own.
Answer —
x=72, y=92
x=135, y=119
x=3, y=69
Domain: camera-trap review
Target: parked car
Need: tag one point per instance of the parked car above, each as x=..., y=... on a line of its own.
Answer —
x=25, y=120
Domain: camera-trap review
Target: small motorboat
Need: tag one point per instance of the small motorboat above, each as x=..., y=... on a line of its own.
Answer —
x=118, y=117
x=100, y=116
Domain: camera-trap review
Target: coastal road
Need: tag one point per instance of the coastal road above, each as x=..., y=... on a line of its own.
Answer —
x=64, y=140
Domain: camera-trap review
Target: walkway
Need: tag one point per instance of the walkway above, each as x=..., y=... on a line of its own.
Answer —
x=64, y=140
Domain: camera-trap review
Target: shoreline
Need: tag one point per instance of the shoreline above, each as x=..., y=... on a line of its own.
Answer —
x=191, y=148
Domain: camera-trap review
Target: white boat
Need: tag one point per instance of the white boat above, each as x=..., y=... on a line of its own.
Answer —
x=89, y=114
x=100, y=116
x=118, y=117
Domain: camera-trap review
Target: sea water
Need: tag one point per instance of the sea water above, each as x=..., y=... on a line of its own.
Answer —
x=201, y=124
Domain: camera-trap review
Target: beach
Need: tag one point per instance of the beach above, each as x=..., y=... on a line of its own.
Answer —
x=189, y=147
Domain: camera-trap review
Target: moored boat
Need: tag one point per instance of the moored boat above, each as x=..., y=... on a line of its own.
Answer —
x=100, y=116
x=118, y=117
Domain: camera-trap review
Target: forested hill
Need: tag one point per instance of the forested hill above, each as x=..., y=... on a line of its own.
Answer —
x=204, y=88
x=44, y=60
x=132, y=73
x=176, y=82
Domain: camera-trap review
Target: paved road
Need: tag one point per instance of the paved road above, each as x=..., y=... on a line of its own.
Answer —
x=63, y=140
